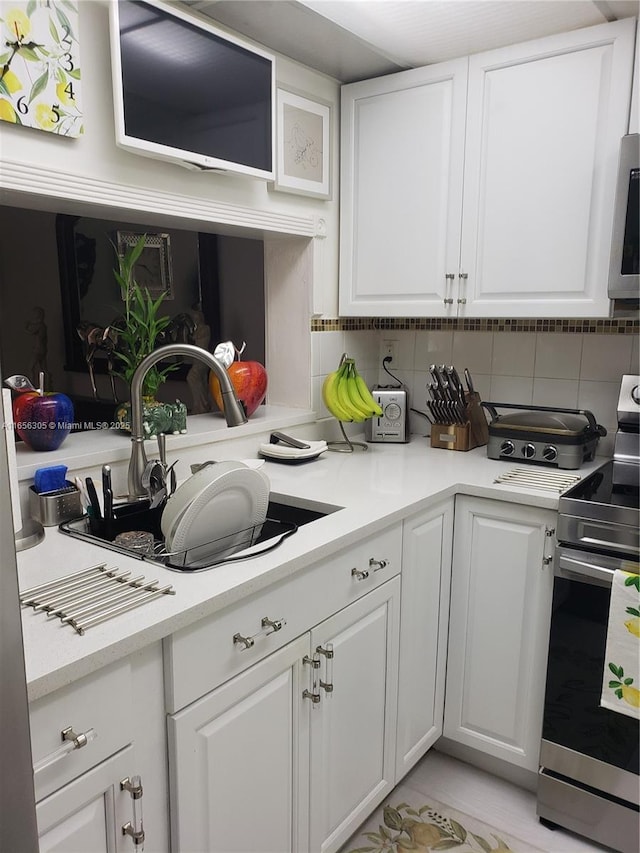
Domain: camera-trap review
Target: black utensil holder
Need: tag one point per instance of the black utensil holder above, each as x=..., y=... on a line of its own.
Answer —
x=127, y=517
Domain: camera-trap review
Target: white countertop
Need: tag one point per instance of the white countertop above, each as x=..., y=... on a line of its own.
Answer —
x=376, y=487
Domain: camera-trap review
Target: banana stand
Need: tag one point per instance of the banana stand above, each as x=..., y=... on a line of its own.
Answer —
x=347, y=445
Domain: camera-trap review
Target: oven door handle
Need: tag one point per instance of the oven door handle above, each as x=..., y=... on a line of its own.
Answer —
x=574, y=569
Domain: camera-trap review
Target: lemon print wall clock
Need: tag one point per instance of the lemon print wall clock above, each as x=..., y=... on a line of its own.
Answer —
x=40, y=65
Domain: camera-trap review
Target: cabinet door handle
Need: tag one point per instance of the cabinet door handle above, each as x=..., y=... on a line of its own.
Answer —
x=135, y=828
x=462, y=277
x=327, y=652
x=307, y=694
x=70, y=741
x=268, y=626
x=379, y=564
x=314, y=663
x=449, y=277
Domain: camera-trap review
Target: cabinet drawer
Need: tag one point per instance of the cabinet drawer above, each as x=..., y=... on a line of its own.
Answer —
x=100, y=701
x=204, y=655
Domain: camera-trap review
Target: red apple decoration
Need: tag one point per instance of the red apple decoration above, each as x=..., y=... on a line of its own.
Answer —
x=249, y=379
x=42, y=419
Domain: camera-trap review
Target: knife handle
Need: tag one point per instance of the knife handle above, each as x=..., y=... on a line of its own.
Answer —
x=469, y=381
x=93, y=499
x=107, y=493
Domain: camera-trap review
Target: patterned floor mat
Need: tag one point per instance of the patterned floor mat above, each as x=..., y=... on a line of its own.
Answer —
x=411, y=821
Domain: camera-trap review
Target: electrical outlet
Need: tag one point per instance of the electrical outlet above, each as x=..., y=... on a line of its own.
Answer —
x=389, y=349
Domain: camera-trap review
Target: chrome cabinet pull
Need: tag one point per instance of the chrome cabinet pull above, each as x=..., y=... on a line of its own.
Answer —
x=548, y=532
x=70, y=741
x=314, y=663
x=449, y=279
x=135, y=828
x=247, y=642
x=363, y=574
x=463, y=276
x=327, y=652
x=268, y=626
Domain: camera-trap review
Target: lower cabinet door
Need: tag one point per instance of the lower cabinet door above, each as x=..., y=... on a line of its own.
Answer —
x=353, y=725
x=239, y=762
x=426, y=576
x=501, y=591
x=87, y=815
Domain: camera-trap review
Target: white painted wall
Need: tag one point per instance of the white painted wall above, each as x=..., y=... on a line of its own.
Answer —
x=85, y=175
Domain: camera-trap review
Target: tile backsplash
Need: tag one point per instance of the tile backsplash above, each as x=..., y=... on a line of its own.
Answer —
x=572, y=369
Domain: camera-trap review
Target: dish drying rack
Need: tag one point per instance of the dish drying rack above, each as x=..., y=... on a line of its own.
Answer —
x=90, y=596
x=241, y=545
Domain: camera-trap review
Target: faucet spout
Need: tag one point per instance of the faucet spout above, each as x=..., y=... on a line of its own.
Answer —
x=233, y=412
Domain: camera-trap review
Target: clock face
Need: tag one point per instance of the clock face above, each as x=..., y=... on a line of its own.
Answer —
x=40, y=65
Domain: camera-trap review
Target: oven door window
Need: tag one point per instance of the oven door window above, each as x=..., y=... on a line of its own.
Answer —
x=573, y=717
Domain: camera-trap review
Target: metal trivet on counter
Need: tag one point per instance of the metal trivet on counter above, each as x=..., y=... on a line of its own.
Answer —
x=557, y=481
x=91, y=596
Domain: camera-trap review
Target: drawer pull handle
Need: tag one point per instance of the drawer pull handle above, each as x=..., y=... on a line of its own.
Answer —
x=359, y=574
x=71, y=741
x=379, y=564
x=134, y=828
x=269, y=626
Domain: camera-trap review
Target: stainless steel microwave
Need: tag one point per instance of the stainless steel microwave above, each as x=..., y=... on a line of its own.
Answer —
x=625, y=242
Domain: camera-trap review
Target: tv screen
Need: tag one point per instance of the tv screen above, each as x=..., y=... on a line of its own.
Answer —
x=186, y=91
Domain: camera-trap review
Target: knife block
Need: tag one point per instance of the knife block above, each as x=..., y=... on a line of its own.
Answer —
x=473, y=433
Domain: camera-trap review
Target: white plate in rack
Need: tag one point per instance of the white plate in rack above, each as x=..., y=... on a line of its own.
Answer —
x=189, y=490
x=221, y=519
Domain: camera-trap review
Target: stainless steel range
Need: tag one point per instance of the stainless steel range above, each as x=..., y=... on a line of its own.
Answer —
x=589, y=761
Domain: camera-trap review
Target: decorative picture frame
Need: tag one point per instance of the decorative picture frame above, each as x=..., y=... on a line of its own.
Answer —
x=153, y=269
x=303, y=143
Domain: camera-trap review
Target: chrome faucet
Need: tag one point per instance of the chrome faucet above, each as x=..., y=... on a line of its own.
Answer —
x=232, y=408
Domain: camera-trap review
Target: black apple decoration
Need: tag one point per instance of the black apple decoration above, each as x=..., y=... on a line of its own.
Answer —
x=42, y=419
x=249, y=378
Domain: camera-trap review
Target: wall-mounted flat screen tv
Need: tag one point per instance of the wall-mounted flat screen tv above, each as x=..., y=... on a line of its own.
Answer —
x=188, y=92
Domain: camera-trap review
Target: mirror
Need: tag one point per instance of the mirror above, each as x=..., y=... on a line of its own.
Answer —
x=172, y=263
x=56, y=272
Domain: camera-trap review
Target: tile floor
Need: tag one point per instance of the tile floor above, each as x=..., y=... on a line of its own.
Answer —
x=490, y=799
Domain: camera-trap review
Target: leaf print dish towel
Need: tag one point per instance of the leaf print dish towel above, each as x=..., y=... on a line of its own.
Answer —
x=621, y=678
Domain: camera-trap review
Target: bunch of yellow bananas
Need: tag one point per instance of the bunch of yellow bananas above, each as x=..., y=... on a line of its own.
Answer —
x=346, y=395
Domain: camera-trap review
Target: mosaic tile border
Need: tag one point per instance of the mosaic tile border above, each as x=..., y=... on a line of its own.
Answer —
x=621, y=326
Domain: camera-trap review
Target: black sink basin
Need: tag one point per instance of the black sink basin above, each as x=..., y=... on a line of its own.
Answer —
x=283, y=520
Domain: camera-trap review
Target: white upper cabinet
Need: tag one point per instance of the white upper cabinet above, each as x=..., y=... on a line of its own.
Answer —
x=485, y=187
x=544, y=122
x=402, y=162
